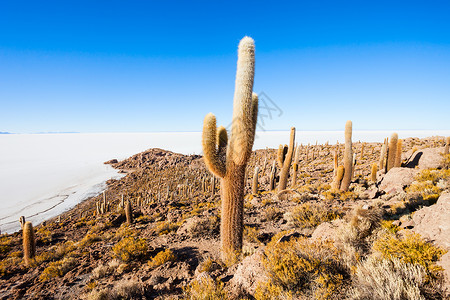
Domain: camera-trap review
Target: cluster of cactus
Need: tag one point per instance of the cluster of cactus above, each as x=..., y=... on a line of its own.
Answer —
x=227, y=158
x=103, y=206
x=285, y=155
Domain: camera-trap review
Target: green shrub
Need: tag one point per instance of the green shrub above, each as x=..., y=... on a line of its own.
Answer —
x=161, y=258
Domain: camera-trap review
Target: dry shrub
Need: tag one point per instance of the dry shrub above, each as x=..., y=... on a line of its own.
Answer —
x=393, y=279
x=166, y=227
x=123, y=289
x=409, y=248
x=425, y=189
x=130, y=248
x=251, y=234
x=271, y=214
x=311, y=215
x=303, y=266
x=58, y=268
x=208, y=226
x=161, y=258
x=205, y=288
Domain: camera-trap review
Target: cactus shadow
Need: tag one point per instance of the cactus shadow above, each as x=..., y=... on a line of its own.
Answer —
x=415, y=160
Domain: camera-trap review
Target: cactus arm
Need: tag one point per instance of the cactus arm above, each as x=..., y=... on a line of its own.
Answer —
x=287, y=161
x=209, y=138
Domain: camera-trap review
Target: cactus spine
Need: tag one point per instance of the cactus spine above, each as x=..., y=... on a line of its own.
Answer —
x=129, y=212
x=348, y=157
x=29, y=243
x=230, y=165
x=398, y=155
x=392, y=151
x=284, y=172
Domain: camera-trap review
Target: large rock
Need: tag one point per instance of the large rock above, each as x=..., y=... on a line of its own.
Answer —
x=426, y=158
x=433, y=223
x=327, y=231
x=249, y=273
x=396, y=179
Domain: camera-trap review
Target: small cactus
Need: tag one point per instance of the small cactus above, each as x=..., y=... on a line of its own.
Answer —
x=286, y=166
x=295, y=166
x=374, y=172
x=348, y=157
x=392, y=152
x=129, y=212
x=230, y=164
x=29, y=243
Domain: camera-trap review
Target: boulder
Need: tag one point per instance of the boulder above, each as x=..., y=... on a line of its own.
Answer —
x=327, y=230
x=249, y=273
x=396, y=179
x=427, y=158
x=433, y=222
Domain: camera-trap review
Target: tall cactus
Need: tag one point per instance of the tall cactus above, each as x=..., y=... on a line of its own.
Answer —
x=447, y=143
x=392, y=151
x=348, y=157
x=129, y=212
x=229, y=164
x=398, y=155
x=284, y=172
x=383, y=154
x=29, y=243
x=255, y=181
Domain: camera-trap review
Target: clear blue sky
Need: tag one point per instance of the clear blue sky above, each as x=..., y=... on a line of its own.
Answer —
x=137, y=66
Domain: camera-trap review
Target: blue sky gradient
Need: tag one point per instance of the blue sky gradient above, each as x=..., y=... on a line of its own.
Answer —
x=139, y=66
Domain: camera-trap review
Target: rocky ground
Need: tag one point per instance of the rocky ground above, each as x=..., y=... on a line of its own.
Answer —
x=171, y=248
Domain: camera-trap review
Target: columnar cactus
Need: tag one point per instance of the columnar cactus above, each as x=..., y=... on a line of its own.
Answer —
x=284, y=172
x=338, y=178
x=129, y=212
x=392, y=151
x=29, y=243
x=255, y=181
x=383, y=154
x=22, y=221
x=335, y=156
x=273, y=171
x=447, y=145
x=230, y=164
x=348, y=157
x=362, y=151
x=295, y=166
x=281, y=155
x=374, y=172
x=398, y=155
